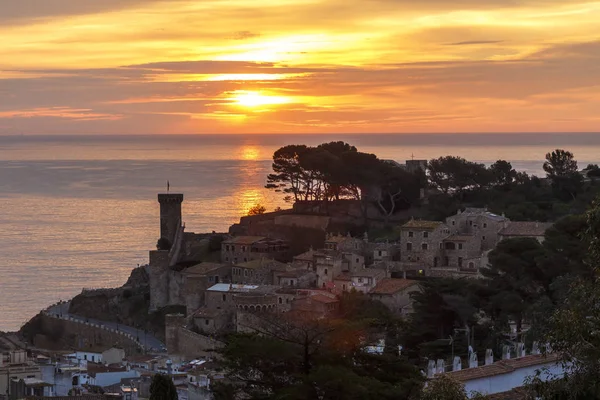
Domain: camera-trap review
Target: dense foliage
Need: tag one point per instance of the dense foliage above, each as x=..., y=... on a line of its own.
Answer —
x=162, y=388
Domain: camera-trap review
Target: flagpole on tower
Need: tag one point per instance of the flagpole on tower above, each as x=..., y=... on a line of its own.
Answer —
x=168, y=186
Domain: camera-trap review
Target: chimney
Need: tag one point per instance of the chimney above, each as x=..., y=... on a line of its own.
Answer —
x=535, y=348
x=505, y=352
x=431, y=370
x=489, y=357
x=473, y=363
x=456, y=364
x=440, y=366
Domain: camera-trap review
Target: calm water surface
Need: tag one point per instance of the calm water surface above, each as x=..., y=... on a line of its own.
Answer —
x=81, y=211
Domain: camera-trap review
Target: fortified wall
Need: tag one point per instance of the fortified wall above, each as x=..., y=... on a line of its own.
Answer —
x=81, y=335
x=185, y=343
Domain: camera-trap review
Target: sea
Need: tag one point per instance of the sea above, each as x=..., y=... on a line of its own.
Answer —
x=81, y=211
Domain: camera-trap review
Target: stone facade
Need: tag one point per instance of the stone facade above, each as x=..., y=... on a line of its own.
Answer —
x=185, y=343
x=395, y=294
x=240, y=249
x=421, y=242
x=257, y=272
x=480, y=223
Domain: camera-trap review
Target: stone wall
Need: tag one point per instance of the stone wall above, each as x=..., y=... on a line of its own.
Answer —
x=183, y=342
x=159, y=279
x=60, y=332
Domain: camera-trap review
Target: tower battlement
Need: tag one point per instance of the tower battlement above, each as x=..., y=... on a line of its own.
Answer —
x=170, y=198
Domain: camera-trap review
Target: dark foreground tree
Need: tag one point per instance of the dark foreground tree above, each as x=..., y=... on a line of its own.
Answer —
x=162, y=388
x=561, y=169
x=573, y=331
x=297, y=356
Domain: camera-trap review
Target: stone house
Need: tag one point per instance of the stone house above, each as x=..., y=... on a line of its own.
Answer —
x=210, y=321
x=362, y=280
x=257, y=272
x=384, y=252
x=239, y=249
x=307, y=259
x=300, y=277
x=459, y=248
x=199, y=278
x=422, y=241
x=519, y=229
x=395, y=294
x=329, y=264
x=320, y=305
x=478, y=222
x=346, y=244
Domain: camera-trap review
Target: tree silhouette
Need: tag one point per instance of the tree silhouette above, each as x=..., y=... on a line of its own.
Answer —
x=162, y=388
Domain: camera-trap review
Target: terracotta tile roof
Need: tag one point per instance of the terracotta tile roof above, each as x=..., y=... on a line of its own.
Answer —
x=502, y=367
x=392, y=285
x=524, y=228
x=203, y=268
x=264, y=262
x=244, y=239
x=343, y=277
x=321, y=298
x=337, y=239
x=459, y=238
x=420, y=224
x=307, y=256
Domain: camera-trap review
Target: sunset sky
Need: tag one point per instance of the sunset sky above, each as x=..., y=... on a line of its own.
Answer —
x=277, y=66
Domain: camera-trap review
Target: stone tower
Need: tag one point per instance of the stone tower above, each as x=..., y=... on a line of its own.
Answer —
x=170, y=214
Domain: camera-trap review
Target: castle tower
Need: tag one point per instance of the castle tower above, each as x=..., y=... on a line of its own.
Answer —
x=170, y=214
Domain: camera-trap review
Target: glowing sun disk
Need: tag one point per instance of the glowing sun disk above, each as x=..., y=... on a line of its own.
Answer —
x=255, y=99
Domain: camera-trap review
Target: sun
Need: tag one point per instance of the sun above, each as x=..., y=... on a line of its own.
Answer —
x=256, y=99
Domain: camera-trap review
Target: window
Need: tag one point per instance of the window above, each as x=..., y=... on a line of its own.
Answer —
x=93, y=358
x=206, y=322
x=325, y=272
x=460, y=246
x=425, y=235
x=408, y=246
x=344, y=287
x=357, y=260
x=379, y=253
x=453, y=222
x=360, y=280
x=210, y=278
x=232, y=248
x=245, y=259
x=85, y=357
x=245, y=272
x=460, y=260
x=441, y=246
x=483, y=238
x=224, y=297
x=471, y=265
x=424, y=246
x=280, y=300
x=410, y=234
x=243, y=248
x=470, y=223
x=485, y=224
x=355, y=245
x=226, y=247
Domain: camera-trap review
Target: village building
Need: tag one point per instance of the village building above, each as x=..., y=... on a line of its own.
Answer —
x=506, y=375
x=240, y=249
x=479, y=223
x=422, y=242
x=361, y=280
x=258, y=272
x=199, y=278
x=518, y=229
x=299, y=277
x=395, y=294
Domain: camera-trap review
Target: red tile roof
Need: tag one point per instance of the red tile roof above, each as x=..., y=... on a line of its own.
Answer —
x=523, y=228
x=244, y=239
x=502, y=367
x=321, y=298
x=419, y=224
x=392, y=285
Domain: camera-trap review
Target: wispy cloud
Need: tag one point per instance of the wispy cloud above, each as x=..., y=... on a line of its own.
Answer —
x=395, y=66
